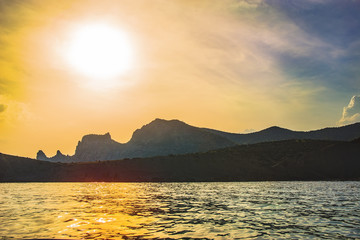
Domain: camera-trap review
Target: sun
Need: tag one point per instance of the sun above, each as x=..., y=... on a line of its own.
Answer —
x=100, y=51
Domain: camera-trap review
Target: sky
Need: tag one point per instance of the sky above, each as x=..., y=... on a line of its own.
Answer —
x=231, y=65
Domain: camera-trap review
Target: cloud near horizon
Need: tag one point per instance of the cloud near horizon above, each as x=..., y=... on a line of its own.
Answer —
x=351, y=113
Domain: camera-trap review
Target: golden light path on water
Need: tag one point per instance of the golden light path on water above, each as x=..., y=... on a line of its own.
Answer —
x=264, y=210
x=81, y=210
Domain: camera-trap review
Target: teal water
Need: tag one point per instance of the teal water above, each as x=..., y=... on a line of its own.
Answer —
x=252, y=210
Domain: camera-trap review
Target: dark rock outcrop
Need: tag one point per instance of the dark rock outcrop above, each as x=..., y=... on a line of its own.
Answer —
x=97, y=147
x=41, y=156
x=59, y=157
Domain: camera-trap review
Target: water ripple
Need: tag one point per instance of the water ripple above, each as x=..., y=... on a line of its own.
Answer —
x=258, y=210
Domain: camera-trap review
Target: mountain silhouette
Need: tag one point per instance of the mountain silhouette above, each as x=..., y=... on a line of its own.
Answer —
x=164, y=137
x=344, y=133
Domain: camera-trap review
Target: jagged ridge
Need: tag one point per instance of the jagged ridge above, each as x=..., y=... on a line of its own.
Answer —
x=163, y=137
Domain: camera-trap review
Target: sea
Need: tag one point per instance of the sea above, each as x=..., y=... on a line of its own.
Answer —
x=205, y=210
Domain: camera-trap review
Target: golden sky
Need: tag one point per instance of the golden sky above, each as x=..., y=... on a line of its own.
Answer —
x=230, y=65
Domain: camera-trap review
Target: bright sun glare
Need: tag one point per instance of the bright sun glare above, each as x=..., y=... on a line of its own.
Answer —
x=100, y=51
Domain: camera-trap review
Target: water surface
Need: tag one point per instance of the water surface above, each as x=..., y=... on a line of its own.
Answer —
x=253, y=210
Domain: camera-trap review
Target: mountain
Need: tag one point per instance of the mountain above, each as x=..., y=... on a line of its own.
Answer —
x=158, y=138
x=161, y=137
x=41, y=156
x=165, y=137
x=97, y=147
x=305, y=160
x=344, y=133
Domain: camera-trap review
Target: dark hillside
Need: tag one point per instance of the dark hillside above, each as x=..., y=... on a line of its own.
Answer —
x=272, y=161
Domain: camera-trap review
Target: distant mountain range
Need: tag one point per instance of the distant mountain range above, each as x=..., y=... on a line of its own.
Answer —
x=270, y=161
x=165, y=137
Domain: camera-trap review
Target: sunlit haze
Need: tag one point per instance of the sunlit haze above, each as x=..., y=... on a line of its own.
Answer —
x=99, y=51
x=70, y=68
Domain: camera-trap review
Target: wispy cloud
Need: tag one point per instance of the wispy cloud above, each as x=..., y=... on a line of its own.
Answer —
x=336, y=26
x=351, y=113
x=246, y=131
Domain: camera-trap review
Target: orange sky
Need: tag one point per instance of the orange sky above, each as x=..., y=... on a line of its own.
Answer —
x=207, y=63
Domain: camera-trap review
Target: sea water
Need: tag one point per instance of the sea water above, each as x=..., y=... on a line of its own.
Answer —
x=232, y=210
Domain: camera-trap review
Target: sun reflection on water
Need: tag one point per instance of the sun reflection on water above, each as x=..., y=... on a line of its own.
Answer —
x=108, y=210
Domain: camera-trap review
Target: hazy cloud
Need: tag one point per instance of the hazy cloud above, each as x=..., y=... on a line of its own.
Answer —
x=250, y=130
x=336, y=25
x=351, y=113
x=2, y=108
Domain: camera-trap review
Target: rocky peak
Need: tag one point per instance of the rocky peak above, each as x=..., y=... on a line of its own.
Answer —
x=163, y=122
x=97, y=147
x=159, y=128
x=41, y=156
x=59, y=154
x=275, y=130
x=96, y=138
